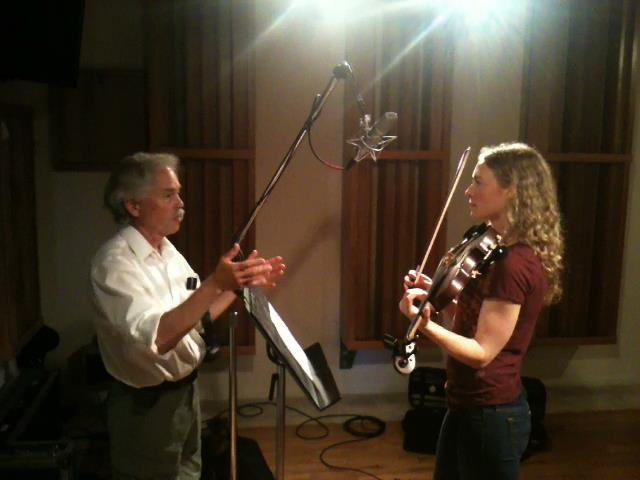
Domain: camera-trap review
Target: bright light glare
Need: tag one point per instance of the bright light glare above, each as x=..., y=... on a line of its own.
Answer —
x=477, y=12
x=474, y=12
x=330, y=11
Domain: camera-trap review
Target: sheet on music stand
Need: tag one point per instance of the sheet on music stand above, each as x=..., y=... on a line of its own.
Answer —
x=307, y=366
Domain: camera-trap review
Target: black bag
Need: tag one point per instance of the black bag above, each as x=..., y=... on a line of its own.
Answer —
x=250, y=462
x=421, y=424
x=421, y=429
x=537, y=398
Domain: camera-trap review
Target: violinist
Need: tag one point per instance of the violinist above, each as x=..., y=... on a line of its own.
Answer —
x=487, y=425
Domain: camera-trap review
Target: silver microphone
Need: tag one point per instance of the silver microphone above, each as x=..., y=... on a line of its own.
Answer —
x=372, y=139
x=375, y=136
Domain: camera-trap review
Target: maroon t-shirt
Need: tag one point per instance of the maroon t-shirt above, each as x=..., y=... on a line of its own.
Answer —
x=517, y=277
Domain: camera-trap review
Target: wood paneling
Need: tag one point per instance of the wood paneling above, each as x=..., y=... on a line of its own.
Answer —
x=578, y=93
x=216, y=204
x=20, y=315
x=100, y=121
x=390, y=207
x=577, y=109
x=200, y=74
x=201, y=107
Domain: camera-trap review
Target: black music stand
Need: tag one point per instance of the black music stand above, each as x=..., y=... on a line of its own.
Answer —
x=308, y=367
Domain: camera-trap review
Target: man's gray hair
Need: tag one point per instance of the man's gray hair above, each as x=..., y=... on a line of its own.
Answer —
x=129, y=179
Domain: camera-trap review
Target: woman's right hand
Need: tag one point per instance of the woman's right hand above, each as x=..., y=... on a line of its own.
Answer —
x=408, y=302
x=423, y=282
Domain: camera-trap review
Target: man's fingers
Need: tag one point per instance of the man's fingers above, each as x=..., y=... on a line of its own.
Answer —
x=252, y=271
x=248, y=265
x=275, y=261
x=233, y=251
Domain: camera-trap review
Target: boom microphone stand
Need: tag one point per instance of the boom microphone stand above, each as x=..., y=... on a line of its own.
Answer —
x=341, y=71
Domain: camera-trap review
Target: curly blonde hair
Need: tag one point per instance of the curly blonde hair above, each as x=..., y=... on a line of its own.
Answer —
x=533, y=215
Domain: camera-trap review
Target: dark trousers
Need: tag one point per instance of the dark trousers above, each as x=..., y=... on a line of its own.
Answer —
x=483, y=442
x=154, y=433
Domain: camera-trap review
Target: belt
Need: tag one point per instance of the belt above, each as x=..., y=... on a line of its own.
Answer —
x=168, y=385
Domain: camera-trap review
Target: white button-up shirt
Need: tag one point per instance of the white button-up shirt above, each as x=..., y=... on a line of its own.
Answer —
x=132, y=285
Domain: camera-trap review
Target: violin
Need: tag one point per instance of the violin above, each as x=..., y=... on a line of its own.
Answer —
x=481, y=245
x=479, y=248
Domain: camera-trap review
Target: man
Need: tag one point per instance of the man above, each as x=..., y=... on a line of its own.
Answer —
x=148, y=306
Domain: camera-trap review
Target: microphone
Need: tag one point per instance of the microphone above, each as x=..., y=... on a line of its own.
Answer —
x=371, y=140
x=375, y=136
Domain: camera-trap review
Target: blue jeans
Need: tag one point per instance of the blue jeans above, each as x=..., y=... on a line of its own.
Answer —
x=483, y=442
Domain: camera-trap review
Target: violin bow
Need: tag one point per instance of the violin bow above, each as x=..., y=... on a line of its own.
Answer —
x=417, y=320
x=461, y=164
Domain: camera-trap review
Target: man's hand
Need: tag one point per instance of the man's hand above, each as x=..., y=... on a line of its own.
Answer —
x=277, y=270
x=254, y=271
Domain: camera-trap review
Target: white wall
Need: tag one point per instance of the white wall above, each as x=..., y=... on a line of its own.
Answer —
x=302, y=219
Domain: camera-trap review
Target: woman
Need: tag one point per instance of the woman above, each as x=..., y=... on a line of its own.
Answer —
x=487, y=425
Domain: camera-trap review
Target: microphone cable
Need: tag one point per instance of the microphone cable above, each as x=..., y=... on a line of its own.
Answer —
x=367, y=427
x=332, y=166
x=309, y=126
x=353, y=84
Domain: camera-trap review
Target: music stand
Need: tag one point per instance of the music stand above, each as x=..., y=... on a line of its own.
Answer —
x=308, y=367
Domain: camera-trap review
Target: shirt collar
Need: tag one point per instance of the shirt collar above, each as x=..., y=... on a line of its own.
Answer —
x=141, y=247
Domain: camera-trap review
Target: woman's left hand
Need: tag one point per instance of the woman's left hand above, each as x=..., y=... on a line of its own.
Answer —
x=408, y=301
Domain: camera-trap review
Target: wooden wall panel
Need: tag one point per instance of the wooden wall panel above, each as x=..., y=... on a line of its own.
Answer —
x=390, y=207
x=216, y=205
x=578, y=92
x=201, y=107
x=20, y=314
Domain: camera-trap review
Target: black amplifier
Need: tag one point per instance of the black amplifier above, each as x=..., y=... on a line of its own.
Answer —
x=426, y=387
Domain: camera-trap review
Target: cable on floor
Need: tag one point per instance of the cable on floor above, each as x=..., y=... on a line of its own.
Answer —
x=363, y=427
